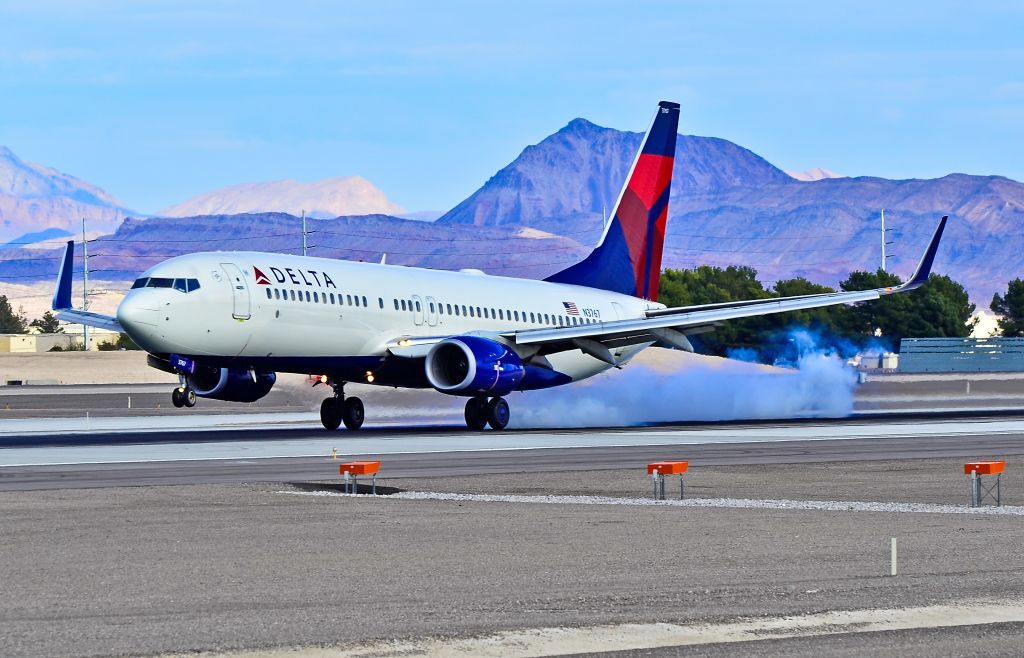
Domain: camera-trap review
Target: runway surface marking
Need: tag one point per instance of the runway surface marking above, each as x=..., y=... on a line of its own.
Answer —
x=460, y=441
x=626, y=637
x=724, y=503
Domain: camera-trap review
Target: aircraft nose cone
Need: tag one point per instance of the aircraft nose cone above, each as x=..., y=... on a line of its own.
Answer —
x=136, y=319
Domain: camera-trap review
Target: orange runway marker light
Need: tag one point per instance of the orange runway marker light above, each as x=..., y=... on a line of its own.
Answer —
x=985, y=468
x=359, y=468
x=668, y=468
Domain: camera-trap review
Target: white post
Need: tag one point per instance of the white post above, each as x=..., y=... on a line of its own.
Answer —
x=303, y=232
x=85, y=285
x=883, y=239
x=892, y=558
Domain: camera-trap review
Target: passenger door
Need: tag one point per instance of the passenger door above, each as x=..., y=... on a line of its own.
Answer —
x=239, y=291
x=431, y=312
x=417, y=310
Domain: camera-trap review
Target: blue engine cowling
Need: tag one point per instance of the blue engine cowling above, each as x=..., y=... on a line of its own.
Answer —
x=229, y=384
x=470, y=365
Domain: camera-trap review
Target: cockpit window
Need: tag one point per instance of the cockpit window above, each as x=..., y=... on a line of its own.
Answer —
x=183, y=285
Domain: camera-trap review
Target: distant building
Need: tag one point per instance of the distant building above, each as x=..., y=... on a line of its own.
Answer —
x=962, y=355
x=70, y=339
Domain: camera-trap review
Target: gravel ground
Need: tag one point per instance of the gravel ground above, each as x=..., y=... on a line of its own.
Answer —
x=149, y=570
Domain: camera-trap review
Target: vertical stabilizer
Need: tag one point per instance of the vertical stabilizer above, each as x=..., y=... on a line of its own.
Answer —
x=628, y=258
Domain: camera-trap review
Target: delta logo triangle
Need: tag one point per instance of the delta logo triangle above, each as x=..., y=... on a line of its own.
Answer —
x=261, y=278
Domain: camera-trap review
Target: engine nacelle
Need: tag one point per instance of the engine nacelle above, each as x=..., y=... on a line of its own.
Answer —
x=229, y=384
x=471, y=365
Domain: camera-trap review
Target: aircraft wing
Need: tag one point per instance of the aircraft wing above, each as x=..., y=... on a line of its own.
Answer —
x=671, y=325
x=62, y=298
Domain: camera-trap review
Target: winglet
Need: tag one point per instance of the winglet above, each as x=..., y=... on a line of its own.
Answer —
x=924, y=268
x=62, y=293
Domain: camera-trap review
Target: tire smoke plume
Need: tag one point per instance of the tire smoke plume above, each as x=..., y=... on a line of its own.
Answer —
x=820, y=385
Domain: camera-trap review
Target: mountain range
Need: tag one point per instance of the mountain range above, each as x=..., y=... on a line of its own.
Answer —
x=34, y=198
x=545, y=209
x=348, y=195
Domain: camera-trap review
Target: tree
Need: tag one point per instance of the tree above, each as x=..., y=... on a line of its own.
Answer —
x=11, y=322
x=48, y=324
x=710, y=285
x=1010, y=309
x=939, y=308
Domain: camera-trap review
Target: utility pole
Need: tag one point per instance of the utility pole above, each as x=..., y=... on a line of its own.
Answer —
x=884, y=230
x=85, y=285
x=304, y=233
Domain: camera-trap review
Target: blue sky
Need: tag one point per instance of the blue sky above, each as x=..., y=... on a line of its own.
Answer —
x=156, y=102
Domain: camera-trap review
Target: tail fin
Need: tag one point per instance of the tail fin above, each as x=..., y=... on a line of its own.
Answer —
x=628, y=258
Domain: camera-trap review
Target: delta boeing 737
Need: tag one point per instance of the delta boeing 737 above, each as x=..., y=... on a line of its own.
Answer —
x=227, y=322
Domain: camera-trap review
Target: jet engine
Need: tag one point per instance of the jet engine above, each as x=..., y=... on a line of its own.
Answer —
x=471, y=365
x=229, y=384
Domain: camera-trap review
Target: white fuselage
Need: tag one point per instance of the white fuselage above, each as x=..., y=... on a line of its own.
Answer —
x=291, y=311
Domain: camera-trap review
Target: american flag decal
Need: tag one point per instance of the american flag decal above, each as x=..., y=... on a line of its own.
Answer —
x=571, y=308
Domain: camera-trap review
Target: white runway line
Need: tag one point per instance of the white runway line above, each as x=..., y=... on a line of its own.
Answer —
x=720, y=503
x=555, y=641
x=319, y=443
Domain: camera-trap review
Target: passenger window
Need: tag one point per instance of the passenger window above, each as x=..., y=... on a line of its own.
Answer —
x=456, y=309
x=532, y=319
x=269, y=294
x=396, y=304
x=501, y=314
x=515, y=314
x=471, y=314
x=418, y=307
x=364, y=302
x=348, y=298
x=450, y=309
x=380, y=300
x=307, y=295
x=277, y=293
x=403, y=305
x=316, y=297
x=485, y=313
x=431, y=307
x=332, y=297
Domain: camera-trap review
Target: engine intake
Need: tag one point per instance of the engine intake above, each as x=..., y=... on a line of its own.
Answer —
x=471, y=365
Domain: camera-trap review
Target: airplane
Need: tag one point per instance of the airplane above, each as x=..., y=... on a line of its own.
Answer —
x=227, y=322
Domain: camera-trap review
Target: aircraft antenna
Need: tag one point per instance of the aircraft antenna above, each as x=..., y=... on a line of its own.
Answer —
x=304, y=234
x=884, y=230
x=85, y=285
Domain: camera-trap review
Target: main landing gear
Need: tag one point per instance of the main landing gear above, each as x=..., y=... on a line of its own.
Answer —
x=338, y=409
x=481, y=412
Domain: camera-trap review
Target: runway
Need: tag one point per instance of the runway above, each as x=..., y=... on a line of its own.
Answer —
x=254, y=453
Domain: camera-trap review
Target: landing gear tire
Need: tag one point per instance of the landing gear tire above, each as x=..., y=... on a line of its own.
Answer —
x=353, y=413
x=178, y=398
x=189, y=397
x=476, y=413
x=498, y=413
x=330, y=413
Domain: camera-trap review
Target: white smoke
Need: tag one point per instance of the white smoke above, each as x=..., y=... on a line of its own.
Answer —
x=821, y=385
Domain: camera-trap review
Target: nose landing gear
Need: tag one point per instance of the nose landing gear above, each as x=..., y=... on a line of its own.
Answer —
x=339, y=409
x=480, y=413
x=183, y=396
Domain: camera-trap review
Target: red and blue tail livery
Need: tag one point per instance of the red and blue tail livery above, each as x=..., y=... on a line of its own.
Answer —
x=628, y=258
